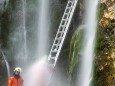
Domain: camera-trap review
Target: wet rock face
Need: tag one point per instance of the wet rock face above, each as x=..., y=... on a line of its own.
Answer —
x=2, y=5
x=2, y=70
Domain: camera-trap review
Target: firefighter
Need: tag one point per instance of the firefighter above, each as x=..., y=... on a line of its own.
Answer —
x=16, y=79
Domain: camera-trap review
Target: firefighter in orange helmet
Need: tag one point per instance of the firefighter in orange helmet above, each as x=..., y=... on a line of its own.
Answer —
x=16, y=79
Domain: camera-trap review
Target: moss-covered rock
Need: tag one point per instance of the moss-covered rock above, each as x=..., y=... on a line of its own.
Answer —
x=108, y=14
x=105, y=46
x=75, y=46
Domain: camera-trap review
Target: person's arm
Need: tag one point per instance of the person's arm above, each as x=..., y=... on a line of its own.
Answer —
x=22, y=82
x=10, y=82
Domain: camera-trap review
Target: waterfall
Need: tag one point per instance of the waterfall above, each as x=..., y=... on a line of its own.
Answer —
x=17, y=36
x=24, y=27
x=43, y=28
x=85, y=71
x=7, y=64
x=38, y=68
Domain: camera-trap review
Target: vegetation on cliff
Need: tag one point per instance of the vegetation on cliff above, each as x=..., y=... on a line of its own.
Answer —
x=104, y=63
x=105, y=46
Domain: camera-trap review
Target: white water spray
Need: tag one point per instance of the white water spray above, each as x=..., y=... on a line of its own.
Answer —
x=37, y=74
x=85, y=72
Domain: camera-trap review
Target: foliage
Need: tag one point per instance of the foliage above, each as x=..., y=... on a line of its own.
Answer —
x=75, y=46
x=105, y=47
x=101, y=9
x=108, y=15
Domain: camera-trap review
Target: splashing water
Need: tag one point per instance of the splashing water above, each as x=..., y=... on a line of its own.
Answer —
x=84, y=77
x=37, y=74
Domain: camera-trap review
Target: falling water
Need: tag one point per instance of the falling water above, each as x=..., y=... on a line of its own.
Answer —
x=7, y=65
x=38, y=69
x=43, y=28
x=84, y=77
x=18, y=33
x=24, y=27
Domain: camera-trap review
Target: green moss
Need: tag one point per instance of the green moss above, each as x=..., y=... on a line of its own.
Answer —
x=101, y=9
x=104, y=45
x=99, y=46
x=95, y=68
x=75, y=46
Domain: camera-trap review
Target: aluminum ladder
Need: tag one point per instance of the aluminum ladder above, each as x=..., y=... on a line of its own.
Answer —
x=62, y=31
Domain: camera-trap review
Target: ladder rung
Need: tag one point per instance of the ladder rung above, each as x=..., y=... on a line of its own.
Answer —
x=66, y=14
x=63, y=22
x=70, y=2
x=52, y=57
x=56, y=44
x=68, y=8
x=60, y=35
x=59, y=38
x=60, y=31
x=64, y=19
x=62, y=25
x=55, y=50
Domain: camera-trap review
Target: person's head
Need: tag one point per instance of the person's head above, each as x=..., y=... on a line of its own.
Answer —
x=17, y=71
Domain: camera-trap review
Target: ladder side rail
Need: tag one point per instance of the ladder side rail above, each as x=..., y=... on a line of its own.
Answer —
x=69, y=21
